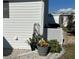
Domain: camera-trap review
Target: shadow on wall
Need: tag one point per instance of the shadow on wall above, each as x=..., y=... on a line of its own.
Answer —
x=45, y=33
x=7, y=48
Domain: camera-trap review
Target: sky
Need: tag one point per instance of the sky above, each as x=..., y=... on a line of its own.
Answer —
x=54, y=5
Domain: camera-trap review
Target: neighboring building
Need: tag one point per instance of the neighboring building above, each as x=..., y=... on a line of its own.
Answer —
x=64, y=19
x=53, y=18
x=61, y=19
x=19, y=17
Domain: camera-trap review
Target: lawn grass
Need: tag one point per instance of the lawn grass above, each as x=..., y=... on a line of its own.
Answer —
x=69, y=52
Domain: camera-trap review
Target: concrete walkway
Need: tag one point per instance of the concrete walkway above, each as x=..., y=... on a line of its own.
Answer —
x=35, y=55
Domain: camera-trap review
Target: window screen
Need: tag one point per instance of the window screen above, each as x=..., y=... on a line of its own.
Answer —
x=6, y=9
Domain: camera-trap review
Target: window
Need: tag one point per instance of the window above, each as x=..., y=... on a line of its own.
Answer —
x=5, y=9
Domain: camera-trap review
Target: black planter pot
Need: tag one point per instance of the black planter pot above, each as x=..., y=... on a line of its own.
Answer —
x=42, y=50
x=33, y=46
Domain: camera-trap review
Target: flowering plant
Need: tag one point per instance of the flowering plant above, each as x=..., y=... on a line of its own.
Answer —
x=43, y=43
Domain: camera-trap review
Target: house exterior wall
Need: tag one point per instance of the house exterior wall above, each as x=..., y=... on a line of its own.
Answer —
x=22, y=0
x=18, y=28
x=55, y=34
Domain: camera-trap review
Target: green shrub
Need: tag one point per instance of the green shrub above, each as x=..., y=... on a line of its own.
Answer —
x=54, y=46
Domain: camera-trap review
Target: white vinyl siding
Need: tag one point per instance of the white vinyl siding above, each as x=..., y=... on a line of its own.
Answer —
x=55, y=34
x=22, y=17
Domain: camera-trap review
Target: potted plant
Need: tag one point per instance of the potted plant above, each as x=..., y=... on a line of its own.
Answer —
x=55, y=47
x=42, y=47
x=32, y=41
